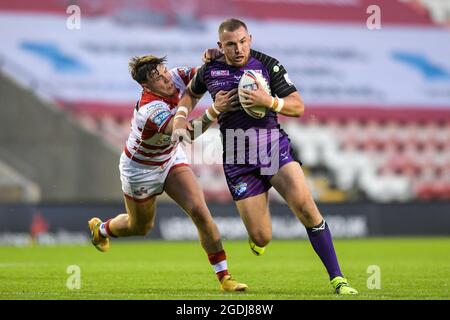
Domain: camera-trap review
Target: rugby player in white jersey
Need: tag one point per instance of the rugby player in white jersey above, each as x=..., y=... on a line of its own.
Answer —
x=152, y=163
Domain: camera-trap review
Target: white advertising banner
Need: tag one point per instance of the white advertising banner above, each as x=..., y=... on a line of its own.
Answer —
x=331, y=64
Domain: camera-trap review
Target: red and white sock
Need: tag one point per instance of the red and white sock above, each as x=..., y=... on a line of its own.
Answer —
x=104, y=229
x=219, y=262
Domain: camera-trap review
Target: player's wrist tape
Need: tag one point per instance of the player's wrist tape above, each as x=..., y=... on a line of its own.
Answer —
x=215, y=110
x=271, y=104
x=274, y=104
x=209, y=116
x=279, y=105
x=180, y=116
x=183, y=109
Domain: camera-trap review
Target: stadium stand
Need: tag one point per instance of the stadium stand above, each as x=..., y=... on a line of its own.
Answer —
x=14, y=188
x=351, y=152
x=170, y=12
x=49, y=152
x=386, y=160
x=439, y=10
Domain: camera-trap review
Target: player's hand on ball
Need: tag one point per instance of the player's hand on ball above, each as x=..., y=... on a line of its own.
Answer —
x=255, y=98
x=180, y=132
x=227, y=100
x=211, y=54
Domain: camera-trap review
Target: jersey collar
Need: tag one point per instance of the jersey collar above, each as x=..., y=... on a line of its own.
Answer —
x=148, y=96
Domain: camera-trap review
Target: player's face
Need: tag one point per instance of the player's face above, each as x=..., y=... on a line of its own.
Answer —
x=160, y=82
x=236, y=46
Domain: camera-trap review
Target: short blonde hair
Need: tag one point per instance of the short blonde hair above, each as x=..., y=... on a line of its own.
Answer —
x=141, y=67
x=231, y=25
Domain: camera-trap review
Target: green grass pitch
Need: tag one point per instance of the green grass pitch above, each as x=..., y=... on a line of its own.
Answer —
x=411, y=268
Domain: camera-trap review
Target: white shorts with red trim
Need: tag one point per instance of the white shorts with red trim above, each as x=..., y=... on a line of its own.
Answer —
x=140, y=181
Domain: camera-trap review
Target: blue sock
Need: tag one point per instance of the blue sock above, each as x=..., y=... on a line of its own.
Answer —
x=320, y=238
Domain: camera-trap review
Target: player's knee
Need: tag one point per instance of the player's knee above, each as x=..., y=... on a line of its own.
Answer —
x=261, y=239
x=199, y=213
x=302, y=203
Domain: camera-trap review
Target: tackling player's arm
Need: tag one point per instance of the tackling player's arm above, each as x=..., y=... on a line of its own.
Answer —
x=224, y=101
x=187, y=103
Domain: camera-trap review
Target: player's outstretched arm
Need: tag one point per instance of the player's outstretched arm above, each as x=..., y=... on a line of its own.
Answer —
x=178, y=127
x=224, y=101
x=193, y=93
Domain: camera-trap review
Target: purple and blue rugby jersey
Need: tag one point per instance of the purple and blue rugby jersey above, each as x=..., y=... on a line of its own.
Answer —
x=218, y=75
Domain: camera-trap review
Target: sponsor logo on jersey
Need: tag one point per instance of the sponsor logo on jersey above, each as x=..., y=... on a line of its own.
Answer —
x=240, y=189
x=220, y=73
x=254, y=70
x=219, y=83
x=164, y=140
x=159, y=117
x=154, y=105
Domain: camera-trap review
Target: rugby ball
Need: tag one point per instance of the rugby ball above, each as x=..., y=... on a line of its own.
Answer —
x=248, y=81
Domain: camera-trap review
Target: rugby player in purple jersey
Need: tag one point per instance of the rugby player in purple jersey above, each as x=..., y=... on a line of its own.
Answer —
x=249, y=178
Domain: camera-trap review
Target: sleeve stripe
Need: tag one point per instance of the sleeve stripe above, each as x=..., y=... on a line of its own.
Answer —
x=280, y=86
x=286, y=92
x=278, y=83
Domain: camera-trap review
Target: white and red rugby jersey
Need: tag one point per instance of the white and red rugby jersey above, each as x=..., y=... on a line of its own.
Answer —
x=147, y=144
